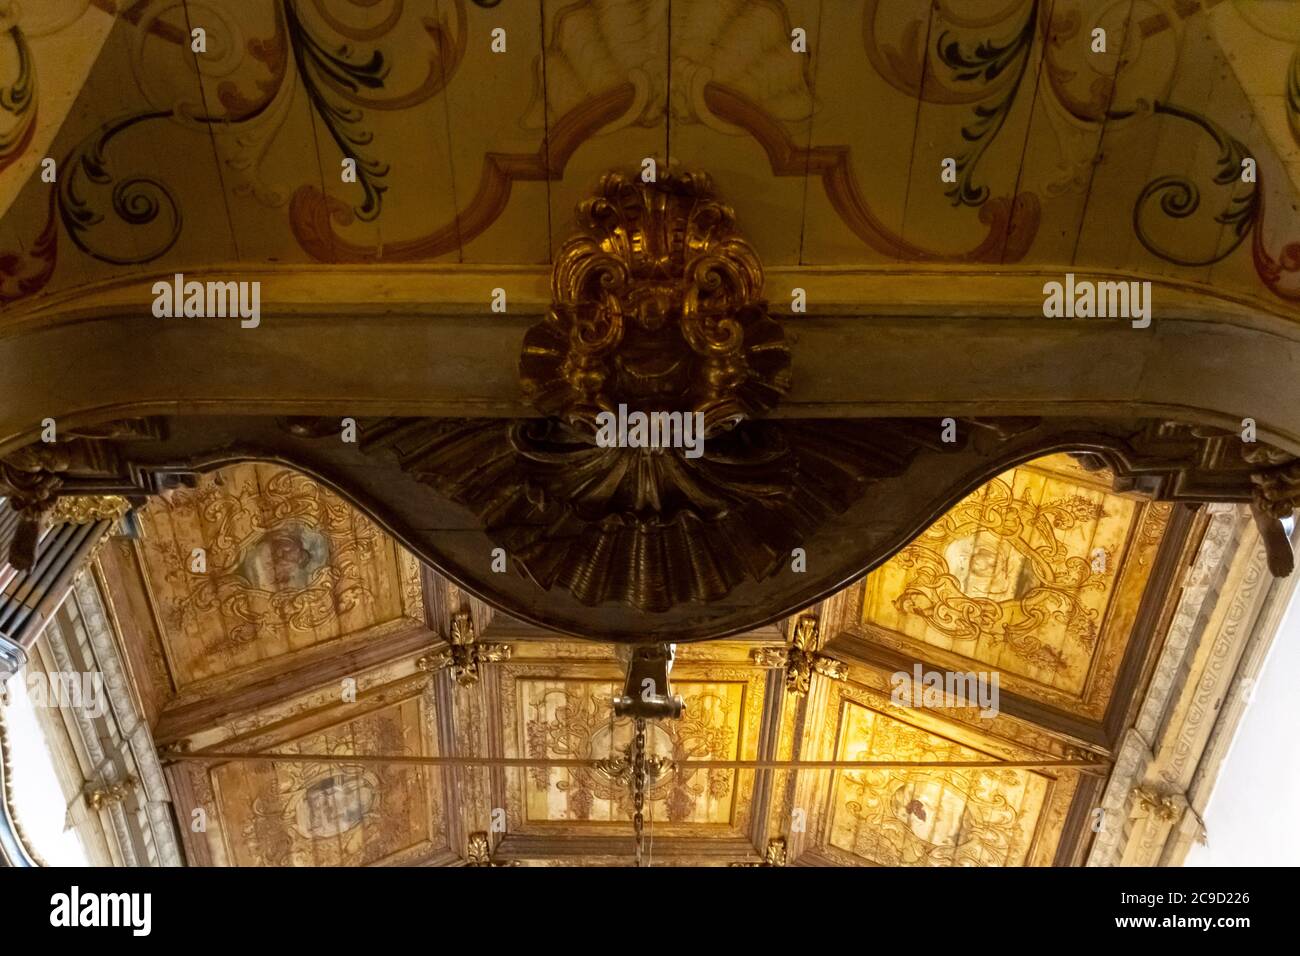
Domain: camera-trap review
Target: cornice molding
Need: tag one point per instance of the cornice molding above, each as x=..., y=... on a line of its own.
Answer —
x=1227, y=617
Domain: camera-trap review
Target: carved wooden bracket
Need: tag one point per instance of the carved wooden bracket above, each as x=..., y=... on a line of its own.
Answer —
x=775, y=854
x=465, y=654
x=800, y=660
x=478, y=851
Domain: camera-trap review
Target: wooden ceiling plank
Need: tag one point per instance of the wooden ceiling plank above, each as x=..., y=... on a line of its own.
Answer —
x=324, y=667
x=375, y=79
x=260, y=123
x=607, y=97
x=1181, y=68
x=138, y=138
x=1076, y=92
x=977, y=97
x=869, y=70
x=747, y=48
x=497, y=121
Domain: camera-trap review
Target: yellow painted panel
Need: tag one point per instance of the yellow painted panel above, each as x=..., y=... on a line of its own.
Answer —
x=573, y=719
x=923, y=817
x=1019, y=575
x=287, y=565
x=331, y=814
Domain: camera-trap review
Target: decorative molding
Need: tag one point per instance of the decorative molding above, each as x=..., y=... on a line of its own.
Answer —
x=774, y=855
x=102, y=796
x=87, y=509
x=800, y=660
x=1160, y=806
x=1228, y=613
x=465, y=655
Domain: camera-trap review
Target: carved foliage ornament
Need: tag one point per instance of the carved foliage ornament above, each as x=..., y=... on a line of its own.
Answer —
x=657, y=317
x=656, y=306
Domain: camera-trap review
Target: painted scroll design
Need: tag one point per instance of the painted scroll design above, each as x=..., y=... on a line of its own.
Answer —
x=1178, y=197
x=18, y=102
x=288, y=556
x=573, y=721
x=1024, y=579
x=339, y=812
x=980, y=817
x=338, y=81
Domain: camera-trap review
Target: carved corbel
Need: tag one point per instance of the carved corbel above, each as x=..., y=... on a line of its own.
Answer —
x=775, y=855
x=85, y=461
x=1156, y=805
x=465, y=654
x=801, y=660
x=479, y=851
x=97, y=798
x=1276, y=496
x=29, y=479
x=171, y=753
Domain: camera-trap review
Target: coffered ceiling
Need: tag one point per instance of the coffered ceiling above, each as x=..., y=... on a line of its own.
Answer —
x=1038, y=575
x=313, y=633
x=389, y=170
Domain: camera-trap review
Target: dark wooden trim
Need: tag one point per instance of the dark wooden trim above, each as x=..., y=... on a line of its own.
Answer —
x=1077, y=833
x=329, y=665
x=521, y=846
x=451, y=778
x=195, y=846
x=769, y=742
x=853, y=649
x=1177, y=549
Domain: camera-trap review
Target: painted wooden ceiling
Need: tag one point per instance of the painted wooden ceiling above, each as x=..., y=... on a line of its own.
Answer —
x=1039, y=574
x=309, y=631
x=1125, y=160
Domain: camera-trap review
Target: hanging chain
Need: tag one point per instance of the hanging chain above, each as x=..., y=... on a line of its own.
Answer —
x=638, y=785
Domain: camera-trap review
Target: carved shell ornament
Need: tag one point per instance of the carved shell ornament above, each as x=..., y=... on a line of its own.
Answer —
x=657, y=310
x=656, y=306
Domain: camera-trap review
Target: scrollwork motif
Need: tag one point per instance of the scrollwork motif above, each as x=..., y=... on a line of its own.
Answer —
x=18, y=100
x=1047, y=589
x=288, y=555
x=136, y=200
x=985, y=64
x=1178, y=197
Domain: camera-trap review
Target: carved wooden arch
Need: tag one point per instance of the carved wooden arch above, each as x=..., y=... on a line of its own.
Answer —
x=656, y=306
x=1164, y=460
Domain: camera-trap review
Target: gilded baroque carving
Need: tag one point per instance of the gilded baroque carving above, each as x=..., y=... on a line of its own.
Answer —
x=1159, y=806
x=87, y=509
x=99, y=798
x=774, y=855
x=656, y=310
x=465, y=654
x=800, y=660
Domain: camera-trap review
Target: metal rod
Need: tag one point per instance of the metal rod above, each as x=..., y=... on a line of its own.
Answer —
x=680, y=765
